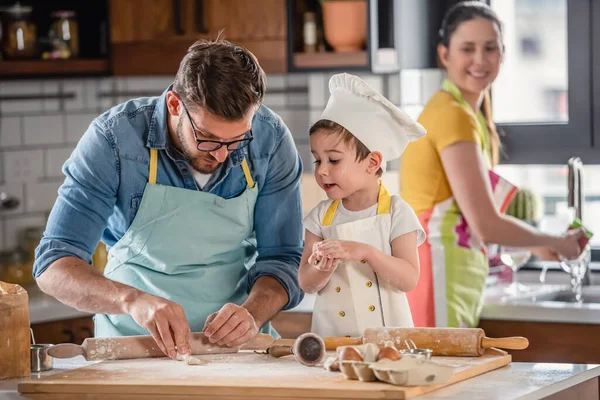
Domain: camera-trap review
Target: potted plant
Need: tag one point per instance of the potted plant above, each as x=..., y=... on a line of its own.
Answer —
x=345, y=24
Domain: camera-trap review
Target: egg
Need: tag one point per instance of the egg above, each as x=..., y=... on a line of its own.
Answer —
x=390, y=353
x=350, y=354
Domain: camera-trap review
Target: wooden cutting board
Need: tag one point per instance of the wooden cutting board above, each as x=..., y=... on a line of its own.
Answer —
x=242, y=375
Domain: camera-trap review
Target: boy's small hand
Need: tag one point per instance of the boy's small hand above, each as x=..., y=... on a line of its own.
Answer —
x=326, y=264
x=343, y=250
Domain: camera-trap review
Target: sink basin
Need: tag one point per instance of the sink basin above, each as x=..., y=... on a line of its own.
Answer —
x=591, y=294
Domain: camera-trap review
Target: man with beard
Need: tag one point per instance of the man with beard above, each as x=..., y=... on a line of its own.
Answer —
x=196, y=194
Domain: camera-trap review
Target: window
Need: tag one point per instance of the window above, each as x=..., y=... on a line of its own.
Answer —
x=535, y=63
x=542, y=99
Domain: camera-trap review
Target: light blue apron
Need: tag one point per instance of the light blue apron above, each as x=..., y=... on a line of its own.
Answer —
x=186, y=246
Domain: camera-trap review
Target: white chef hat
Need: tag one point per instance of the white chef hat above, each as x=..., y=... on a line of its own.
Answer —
x=370, y=117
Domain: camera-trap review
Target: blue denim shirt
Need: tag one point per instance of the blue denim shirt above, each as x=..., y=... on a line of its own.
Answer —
x=107, y=172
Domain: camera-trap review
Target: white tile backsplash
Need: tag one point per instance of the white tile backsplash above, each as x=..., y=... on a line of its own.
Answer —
x=104, y=86
x=432, y=80
x=14, y=227
x=410, y=87
x=52, y=88
x=318, y=92
x=10, y=131
x=41, y=196
x=275, y=100
x=77, y=124
x=23, y=166
x=90, y=94
x=44, y=129
x=2, y=248
x=394, y=89
x=13, y=190
x=155, y=85
x=19, y=88
x=76, y=87
x=297, y=100
x=275, y=82
x=55, y=159
x=296, y=121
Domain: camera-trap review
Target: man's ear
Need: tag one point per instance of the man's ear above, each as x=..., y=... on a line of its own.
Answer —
x=375, y=160
x=173, y=103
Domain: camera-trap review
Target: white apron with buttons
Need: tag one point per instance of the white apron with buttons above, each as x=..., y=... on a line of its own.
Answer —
x=356, y=298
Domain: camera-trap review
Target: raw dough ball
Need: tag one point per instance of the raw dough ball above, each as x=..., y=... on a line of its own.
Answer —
x=190, y=360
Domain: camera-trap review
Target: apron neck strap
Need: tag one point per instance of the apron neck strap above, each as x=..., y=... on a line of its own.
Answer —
x=154, y=168
x=384, y=205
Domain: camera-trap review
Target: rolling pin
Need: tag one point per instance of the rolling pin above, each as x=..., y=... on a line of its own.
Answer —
x=457, y=342
x=127, y=347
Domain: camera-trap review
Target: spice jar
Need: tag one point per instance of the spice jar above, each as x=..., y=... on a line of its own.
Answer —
x=310, y=32
x=64, y=29
x=15, y=267
x=20, y=33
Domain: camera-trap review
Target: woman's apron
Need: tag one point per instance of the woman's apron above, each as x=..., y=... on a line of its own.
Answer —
x=186, y=246
x=453, y=260
x=355, y=298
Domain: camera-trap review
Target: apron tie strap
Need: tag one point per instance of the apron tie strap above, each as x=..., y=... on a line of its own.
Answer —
x=384, y=206
x=153, y=166
x=247, y=174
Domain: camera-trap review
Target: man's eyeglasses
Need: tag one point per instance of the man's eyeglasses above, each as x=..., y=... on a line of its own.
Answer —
x=214, y=145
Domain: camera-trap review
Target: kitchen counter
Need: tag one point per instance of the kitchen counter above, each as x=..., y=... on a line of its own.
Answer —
x=524, y=381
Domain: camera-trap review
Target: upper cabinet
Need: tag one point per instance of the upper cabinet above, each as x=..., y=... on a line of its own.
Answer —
x=379, y=36
x=150, y=37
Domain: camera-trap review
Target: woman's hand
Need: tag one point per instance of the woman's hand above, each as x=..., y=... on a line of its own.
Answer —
x=567, y=245
x=344, y=250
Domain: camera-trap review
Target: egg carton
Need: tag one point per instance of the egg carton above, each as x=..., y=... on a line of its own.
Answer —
x=404, y=372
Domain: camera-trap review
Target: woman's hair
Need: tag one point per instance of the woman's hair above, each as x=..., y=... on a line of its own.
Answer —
x=332, y=128
x=456, y=15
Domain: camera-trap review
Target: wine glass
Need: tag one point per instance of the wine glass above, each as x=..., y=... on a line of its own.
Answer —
x=515, y=258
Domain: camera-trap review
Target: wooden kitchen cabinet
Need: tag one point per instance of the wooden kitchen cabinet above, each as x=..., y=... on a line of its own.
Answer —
x=150, y=37
x=67, y=331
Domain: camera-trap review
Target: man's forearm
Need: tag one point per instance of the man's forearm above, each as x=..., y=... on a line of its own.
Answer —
x=266, y=298
x=75, y=283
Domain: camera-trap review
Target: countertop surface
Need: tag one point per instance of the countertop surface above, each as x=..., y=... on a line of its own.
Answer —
x=524, y=381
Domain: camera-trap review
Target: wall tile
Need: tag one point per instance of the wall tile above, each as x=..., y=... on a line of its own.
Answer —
x=90, y=94
x=276, y=101
x=276, y=82
x=297, y=100
x=375, y=81
x=77, y=87
x=10, y=131
x=103, y=87
x=394, y=88
x=52, y=87
x=410, y=87
x=297, y=122
x=432, y=80
x=413, y=111
x=77, y=124
x=40, y=197
x=14, y=227
x=318, y=92
x=2, y=248
x=14, y=190
x=21, y=88
x=155, y=85
x=55, y=159
x=297, y=80
x=23, y=166
x=44, y=129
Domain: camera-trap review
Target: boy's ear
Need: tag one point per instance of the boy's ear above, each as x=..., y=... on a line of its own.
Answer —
x=375, y=159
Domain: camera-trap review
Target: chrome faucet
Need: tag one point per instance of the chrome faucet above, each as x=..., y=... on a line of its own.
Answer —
x=575, y=201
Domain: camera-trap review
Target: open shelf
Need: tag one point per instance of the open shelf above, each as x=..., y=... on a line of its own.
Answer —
x=11, y=68
x=331, y=59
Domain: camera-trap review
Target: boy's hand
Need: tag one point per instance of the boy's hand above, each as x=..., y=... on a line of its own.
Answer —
x=327, y=264
x=343, y=250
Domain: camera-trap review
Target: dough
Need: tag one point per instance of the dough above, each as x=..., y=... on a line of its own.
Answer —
x=191, y=360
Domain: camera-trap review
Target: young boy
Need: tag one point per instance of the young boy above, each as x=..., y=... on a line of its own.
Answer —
x=360, y=252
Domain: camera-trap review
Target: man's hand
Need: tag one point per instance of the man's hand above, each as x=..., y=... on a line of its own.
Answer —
x=344, y=250
x=166, y=322
x=231, y=326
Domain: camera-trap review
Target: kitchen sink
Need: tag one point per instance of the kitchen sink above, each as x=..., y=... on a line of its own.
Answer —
x=591, y=294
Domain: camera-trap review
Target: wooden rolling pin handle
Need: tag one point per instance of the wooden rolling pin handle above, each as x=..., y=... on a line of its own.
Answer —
x=511, y=343
x=332, y=343
x=279, y=351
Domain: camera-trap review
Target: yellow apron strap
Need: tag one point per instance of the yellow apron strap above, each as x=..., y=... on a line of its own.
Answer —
x=384, y=202
x=153, y=166
x=330, y=214
x=247, y=174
